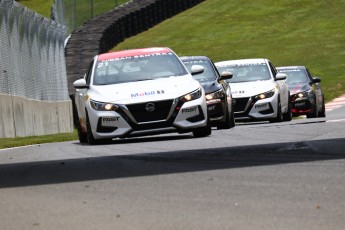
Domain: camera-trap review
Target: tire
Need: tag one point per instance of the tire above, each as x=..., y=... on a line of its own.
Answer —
x=323, y=110
x=90, y=137
x=203, y=131
x=288, y=115
x=232, y=119
x=227, y=124
x=279, y=117
x=314, y=112
x=81, y=135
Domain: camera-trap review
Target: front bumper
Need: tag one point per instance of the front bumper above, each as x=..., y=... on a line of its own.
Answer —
x=216, y=109
x=133, y=119
x=249, y=108
x=302, y=106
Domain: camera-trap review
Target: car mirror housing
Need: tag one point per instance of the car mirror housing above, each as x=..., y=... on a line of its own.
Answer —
x=80, y=84
x=197, y=69
x=280, y=76
x=225, y=75
x=316, y=80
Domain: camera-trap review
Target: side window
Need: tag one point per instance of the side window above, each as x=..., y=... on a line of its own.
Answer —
x=88, y=74
x=273, y=69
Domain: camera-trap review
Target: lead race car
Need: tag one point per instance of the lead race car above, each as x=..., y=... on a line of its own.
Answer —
x=139, y=92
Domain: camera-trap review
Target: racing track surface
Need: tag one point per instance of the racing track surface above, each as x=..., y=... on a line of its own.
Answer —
x=288, y=175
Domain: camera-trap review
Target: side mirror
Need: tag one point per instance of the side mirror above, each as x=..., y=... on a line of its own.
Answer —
x=80, y=84
x=316, y=80
x=280, y=76
x=197, y=69
x=225, y=75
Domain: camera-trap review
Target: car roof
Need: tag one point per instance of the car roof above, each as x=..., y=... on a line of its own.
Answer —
x=291, y=67
x=183, y=58
x=134, y=52
x=243, y=61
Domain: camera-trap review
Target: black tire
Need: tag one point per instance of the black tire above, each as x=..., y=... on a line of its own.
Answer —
x=227, y=124
x=323, y=110
x=279, y=117
x=203, y=131
x=90, y=137
x=81, y=135
x=314, y=111
x=232, y=119
x=288, y=115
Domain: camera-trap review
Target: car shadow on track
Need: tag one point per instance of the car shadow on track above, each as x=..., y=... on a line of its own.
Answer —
x=125, y=166
x=142, y=139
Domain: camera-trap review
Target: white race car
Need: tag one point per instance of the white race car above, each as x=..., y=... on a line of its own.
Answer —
x=259, y=92
x=139, y=92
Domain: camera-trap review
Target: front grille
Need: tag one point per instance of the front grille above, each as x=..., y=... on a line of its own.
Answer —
x=198, y=117
x=240, y=104
x=267, y=111
x=160, y=112
x=104, y=129
x=215, y=110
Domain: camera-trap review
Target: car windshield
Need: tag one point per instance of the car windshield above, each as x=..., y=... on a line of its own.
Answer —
x=207, y=75
x=295, y=76
x=137, y=68
x=246, y=72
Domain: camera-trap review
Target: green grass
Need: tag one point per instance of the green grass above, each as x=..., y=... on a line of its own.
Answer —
x=21, y=141
x=42, y=7
x=288, y=32
x=82, y=13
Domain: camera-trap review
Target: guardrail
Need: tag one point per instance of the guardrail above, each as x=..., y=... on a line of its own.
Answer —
x=34, y=98
x=73, y=13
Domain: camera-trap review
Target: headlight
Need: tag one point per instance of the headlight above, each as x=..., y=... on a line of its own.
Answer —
x=215, y=95
x=267, y=94
x=102, y=106
x=303, y=94
x=192, y=96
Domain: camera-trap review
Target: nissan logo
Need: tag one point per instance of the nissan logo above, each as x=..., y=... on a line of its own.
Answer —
x=150, y=107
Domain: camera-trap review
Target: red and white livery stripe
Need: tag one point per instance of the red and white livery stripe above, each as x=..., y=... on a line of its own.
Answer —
x=335, y=103
x=134, y=52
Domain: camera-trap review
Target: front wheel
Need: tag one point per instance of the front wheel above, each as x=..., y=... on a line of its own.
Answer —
x=279, y=117
x=81, y=135
x=203, y=131
x=323, y=110
x=227, y=124
x=314, y=112
x=90, y=137
x=288, y=114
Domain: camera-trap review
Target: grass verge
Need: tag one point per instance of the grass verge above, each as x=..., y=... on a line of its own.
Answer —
x=22, y=141
x=303, y=32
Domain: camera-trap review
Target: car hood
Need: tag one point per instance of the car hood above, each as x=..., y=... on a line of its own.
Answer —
x=297, y=88
x=141, y=91
x=211, y=86
x=248, y=89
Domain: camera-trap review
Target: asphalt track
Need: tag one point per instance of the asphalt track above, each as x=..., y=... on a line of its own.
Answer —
x=288, y=175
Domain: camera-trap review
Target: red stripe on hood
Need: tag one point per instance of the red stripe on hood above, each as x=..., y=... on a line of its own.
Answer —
x=296, y=89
